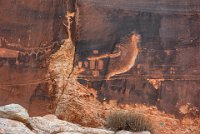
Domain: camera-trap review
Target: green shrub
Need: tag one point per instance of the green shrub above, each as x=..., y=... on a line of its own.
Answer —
x=129, y=121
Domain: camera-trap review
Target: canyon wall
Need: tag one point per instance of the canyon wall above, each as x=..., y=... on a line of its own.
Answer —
x=165, y=72
x=30, y=31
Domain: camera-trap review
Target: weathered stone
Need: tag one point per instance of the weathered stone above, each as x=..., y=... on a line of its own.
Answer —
x=50, y=124
x=30, y=31
x=128, y=132
x=8, y=126
x=15, y=112
x=73, y=102
x=169, y=33
x=70, y=133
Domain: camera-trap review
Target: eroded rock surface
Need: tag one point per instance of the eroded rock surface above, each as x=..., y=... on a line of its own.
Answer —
x=14, y=112
x=168, y=52
x=8, y=126
x=165, y=72
x=50, y=124
x=128, y=132
x=72, y=101
x=30, y=31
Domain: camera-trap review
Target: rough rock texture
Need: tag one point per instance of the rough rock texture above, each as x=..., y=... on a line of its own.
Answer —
x=166, y=72
x=164, y=123
x=14, y=112
x=30, y=31
x=13, y=127
x=72, y=101
x=50, y=124
x=69, y=133
x=128, y=132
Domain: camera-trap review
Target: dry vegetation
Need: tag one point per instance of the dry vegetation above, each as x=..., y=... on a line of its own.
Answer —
x=129, y=121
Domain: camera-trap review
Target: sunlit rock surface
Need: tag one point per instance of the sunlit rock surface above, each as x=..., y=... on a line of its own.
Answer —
x=14, y=112
x=13, y=127
x=71, y=100
x=50, y=124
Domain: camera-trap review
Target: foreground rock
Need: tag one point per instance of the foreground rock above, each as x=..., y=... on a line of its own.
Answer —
x=50, y=124
x=128, y=132
x=14, y=112
x=8, y=126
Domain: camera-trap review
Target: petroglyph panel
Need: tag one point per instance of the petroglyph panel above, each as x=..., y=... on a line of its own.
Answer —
x=167, y=63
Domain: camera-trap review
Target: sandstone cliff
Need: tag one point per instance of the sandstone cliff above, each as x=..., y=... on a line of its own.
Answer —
x=46, y=49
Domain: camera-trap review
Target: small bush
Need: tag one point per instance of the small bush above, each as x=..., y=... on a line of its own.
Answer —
x=129, y=121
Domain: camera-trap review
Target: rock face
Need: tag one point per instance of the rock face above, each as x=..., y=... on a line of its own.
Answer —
x=13, y=127
x=72, y=101
x=166, y=72
x=29, y=33
x=14, y=112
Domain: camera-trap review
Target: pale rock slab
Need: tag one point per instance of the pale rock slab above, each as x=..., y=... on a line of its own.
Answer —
x=14, y=112
x=8, y=126
x=50, y=124
x=128, y=132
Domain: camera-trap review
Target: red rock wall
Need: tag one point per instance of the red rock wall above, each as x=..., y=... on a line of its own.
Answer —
x=166, y=73
x=166, y=70
x=32, y=31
